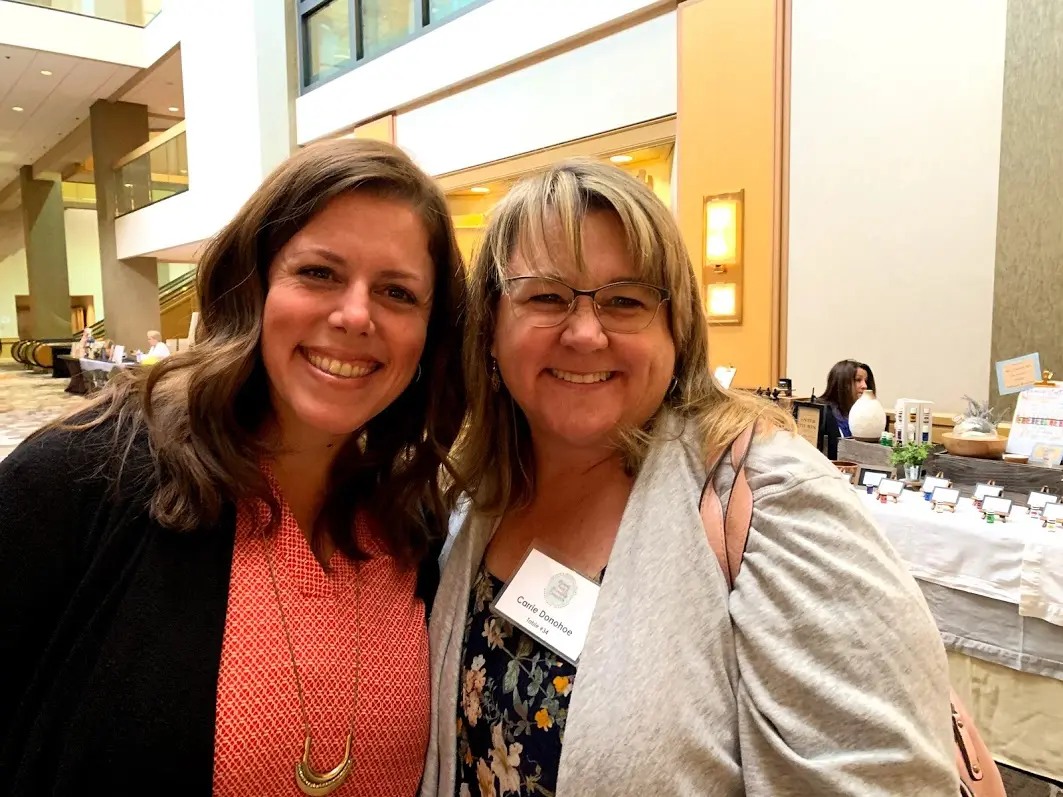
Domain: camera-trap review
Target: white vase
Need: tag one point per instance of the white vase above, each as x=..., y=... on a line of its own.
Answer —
x=867, y=418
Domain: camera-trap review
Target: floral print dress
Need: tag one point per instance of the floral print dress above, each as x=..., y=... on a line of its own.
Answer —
x=514, y=703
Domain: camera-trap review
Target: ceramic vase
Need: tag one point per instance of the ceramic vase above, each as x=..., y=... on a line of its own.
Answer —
x=867, y=418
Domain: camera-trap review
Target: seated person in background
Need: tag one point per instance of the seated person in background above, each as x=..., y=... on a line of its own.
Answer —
x=156, y=348
x=846, y=382
x=107, y=352
x=870, y=379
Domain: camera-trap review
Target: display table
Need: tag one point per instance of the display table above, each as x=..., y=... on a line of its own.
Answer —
x=996, y=593
x=95, y=373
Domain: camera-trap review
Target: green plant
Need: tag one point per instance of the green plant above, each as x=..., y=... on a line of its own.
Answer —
x=910, y=453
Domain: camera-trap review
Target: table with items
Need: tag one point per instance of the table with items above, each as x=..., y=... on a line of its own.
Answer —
x=994, y=584
x=95, y=373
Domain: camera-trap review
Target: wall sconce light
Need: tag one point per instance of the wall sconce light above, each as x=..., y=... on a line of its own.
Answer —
x=722, y=258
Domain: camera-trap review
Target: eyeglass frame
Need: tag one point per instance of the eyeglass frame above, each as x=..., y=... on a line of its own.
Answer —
x=665, y=294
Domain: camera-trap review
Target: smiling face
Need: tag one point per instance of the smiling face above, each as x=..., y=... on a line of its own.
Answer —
x=345, y=317
x=576, y=382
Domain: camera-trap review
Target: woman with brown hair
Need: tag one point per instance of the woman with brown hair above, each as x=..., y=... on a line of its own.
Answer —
x=846, y=382
x=214, y=579
x=585, y=638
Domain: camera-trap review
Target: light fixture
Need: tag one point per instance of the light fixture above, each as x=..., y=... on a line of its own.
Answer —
x=722, y=257
x=46, y=72
x=17, y=108
x=621, y=159
x=480, y=189
x=174, y=109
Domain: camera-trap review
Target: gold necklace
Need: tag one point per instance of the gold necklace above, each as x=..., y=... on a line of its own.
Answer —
x=309, y=781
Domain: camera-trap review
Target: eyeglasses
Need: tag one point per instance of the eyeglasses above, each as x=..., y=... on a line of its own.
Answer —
x=620, y=306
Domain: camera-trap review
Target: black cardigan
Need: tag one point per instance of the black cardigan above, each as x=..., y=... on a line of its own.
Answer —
x=110, y=626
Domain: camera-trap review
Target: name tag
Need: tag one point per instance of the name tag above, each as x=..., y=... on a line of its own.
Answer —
x=549, y=602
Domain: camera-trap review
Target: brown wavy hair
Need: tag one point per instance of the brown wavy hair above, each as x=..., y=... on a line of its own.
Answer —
x=494, y=455
x=206, y=411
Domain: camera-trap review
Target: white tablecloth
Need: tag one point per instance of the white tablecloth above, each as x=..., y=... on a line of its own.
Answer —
x=995, y=590
x=1019, y=561
x=100, y=365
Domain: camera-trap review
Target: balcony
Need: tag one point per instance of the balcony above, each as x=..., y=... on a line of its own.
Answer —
x=339, y=35
x=128, y=12
x=156, y=171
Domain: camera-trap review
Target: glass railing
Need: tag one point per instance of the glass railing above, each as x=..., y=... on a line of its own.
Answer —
x=152, y=173
x=333, y=43
x=129, y=12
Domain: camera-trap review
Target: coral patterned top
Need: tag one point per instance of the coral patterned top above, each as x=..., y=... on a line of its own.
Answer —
x=258, y=731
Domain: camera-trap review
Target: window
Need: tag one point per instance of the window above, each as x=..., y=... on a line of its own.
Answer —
x=328, y=39
x=385, y=23
x=337, y=35
x=441, y=9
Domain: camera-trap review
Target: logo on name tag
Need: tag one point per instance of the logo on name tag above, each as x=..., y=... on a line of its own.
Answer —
x=560, y=590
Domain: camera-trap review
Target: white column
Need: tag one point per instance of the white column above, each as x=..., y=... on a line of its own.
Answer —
x=237, y=98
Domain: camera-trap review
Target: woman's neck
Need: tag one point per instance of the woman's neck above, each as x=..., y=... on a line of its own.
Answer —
x=576, y=470
x=302, y=474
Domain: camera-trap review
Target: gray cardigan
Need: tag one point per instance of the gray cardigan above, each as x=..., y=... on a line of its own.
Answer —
x=827, y=677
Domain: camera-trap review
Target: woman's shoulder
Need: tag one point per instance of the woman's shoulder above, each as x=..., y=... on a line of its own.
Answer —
x=83, y=453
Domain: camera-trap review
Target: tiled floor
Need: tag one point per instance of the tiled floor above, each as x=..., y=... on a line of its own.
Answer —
x=29, y=400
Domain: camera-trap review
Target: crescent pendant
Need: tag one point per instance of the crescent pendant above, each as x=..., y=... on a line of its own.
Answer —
x=314, y=783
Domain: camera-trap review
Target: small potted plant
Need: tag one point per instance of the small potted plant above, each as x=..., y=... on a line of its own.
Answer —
x=912, y=456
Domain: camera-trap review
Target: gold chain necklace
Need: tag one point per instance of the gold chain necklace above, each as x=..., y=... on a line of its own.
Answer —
x=309, y=781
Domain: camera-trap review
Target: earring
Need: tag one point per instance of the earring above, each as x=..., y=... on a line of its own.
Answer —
x=496, y=377
x=417, y=376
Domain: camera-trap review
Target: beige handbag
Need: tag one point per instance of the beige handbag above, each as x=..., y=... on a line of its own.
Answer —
x=727, y=533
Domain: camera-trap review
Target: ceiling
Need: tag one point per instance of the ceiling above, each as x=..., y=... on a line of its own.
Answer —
x=51, y=132
x=52, y=105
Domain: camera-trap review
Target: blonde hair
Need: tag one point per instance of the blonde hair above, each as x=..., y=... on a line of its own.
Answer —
x=494, y=455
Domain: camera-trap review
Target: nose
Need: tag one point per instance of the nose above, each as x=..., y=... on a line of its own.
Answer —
x=354, y=314
x=583, y=331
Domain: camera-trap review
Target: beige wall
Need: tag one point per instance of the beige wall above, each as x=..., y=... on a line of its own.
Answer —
x=894, y=161
x=726, y=142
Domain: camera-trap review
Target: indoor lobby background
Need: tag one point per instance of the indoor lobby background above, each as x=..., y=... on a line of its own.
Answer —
x=894, y=167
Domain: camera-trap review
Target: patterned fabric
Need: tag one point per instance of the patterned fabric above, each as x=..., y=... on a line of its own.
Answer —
x=259, y=735
x=514, y=703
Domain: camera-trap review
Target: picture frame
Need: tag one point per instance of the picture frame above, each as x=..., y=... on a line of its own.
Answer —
x=811, y=420
x=945, y=499
x=1037, y=501
x=891, y=490
x=931, y=483
x=870, y=478
x=987, y=490
x=1053, y=515
x=996, y=505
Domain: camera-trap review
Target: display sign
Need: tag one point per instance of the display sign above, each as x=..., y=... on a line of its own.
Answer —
x=1053, y=513
x=1038, y=420
x=890, y=487
x=1041, y=500
x=1048, y=456
x=982, y=491
x=995, y=505
x=948, y=496
x=931, y=483
x=1018, y=373
x=871, y=478
x=725, y=375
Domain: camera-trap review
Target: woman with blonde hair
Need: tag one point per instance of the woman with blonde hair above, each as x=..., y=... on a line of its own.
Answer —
x=229, y=597
x=593, y=414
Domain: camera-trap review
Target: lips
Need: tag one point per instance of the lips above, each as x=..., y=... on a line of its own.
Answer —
x=582, y=379
x=343, y=369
